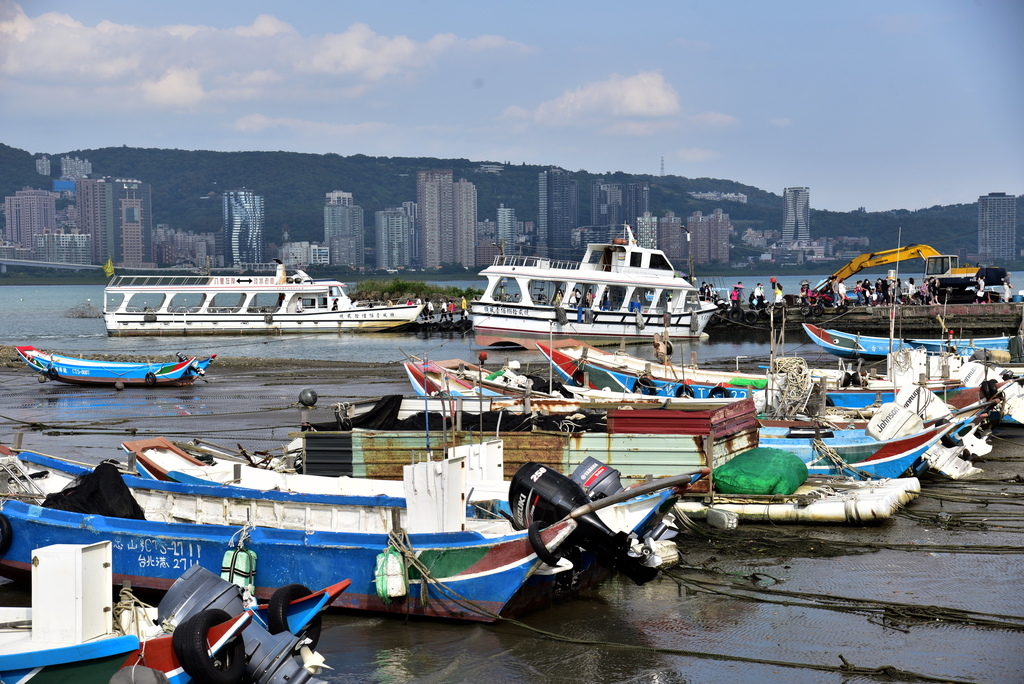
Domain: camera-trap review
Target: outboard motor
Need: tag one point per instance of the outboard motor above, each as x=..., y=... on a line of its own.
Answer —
x=597, y=479
x=270, y=658
x=540, y=496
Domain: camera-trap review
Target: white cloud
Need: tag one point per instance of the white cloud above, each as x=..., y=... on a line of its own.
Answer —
x=177, y=89
x=714, y=119
x=644, y=95
x=695, y=154
x=363, y=52
x=258, y=123
x=263, y=26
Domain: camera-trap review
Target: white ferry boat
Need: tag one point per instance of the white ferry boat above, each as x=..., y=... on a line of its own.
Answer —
x=618, y=291
x=231, y=305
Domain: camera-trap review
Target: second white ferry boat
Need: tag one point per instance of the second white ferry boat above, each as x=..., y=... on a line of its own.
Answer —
x=243, y=304
x=617, y=291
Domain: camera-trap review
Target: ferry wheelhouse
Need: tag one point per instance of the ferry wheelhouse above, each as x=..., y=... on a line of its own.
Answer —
x=617, y=291
x=233, y=305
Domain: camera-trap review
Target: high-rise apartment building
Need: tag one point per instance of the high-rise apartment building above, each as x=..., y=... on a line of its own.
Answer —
x=997, y=227
x=558, y=214
x=29, y=213
x=43, y=166
x=606, y=203
x=464, y=213
x=645, y=229
x=118, y=214
x=709, y=237
x=343, y=230
x=636, y=201
x=506, y=230
x=63, y=247
x=434, y=204
x=796, y=216
x=243, y=228
x=73, y=168
x=672, y=239
x=394, y=238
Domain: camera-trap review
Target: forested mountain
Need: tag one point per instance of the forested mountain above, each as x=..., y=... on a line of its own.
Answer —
x=187, y=185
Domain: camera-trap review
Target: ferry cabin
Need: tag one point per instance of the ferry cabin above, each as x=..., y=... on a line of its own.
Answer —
x=265, y=295
x=609, y=278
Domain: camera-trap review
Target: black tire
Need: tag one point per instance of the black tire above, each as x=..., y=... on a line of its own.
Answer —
x=989, y=388
x=684, y=390
x=763, y=314
x=51, y=373
x=736, y=315
x=150, y=379
x=190, y=646
x=842, y=308
x=669, y=348
x=750, y=317
x=645, y=385
x=268, y=319
x=579, y=378
x=817, y=310
x=537, y=544
x=949, y=441
x=718, y=392
x=6, y=534
x=277, y=613
x=805, y=311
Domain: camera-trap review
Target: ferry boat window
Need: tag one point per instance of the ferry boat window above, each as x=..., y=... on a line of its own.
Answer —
x=659, y=262
x=226, y=302
x=186, y=302
x=507, y=290
x=614, y=296
x=636, y=259
x=542, y=291
x=264, y=302
x=665, y=298
x=113, y=301
x=145, y=301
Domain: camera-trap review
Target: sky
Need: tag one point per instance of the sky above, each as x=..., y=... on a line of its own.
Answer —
x=892, y=104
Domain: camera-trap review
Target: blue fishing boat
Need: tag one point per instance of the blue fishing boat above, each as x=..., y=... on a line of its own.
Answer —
x=77, y=371
x=454, y=567
x=850, y=345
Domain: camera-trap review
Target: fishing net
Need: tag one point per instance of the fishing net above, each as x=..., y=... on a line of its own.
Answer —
x=762, y=470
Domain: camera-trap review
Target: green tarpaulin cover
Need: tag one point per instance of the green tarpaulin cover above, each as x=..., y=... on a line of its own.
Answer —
x=762, y=470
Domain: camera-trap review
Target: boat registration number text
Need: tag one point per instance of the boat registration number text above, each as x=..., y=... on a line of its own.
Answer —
x=160, y=553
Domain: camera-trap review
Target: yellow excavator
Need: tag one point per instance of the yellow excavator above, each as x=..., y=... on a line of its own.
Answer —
x=954, y=279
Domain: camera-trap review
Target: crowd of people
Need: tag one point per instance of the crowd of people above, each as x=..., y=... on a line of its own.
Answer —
x=865, y=292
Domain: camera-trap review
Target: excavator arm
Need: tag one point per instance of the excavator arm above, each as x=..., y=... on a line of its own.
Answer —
x=870, y=259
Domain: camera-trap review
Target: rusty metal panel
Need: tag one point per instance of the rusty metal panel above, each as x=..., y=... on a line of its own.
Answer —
x=733, y=417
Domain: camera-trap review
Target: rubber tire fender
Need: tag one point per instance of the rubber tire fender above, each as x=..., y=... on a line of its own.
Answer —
x=684, y=390
x=192, y=650
x=578, y=378
x=718, y=392
x=805, y=311
x=277, y=613
x=6, y=534
x=817, y=310
x=51, y=373
x=750, y=317
x=645, y=385
x=150, y=379
x=537, y=544
x=736, y=315
x=989, y=388
x=669, y=348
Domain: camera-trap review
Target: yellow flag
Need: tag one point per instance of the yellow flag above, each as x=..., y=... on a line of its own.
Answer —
x=108, y=268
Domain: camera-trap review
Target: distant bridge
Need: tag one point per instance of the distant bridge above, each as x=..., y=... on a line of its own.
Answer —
x=4, y=263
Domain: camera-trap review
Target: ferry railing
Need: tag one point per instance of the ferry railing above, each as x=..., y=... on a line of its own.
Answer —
x=534, y=262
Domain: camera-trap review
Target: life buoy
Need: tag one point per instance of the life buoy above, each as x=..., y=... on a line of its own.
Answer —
x=51, y=373
x=684, y=390
x=750, y=317
x=6, y=534
x=192, y=649
x=537, y=544
x=150, y=379
x=718, y=392
x=277, y=613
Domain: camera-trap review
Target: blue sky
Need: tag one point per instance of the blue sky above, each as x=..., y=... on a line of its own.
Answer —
x=887, y=105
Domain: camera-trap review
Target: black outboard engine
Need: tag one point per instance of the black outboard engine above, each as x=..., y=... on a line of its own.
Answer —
x=597, y=479
x=270, y=658
x=541, y=496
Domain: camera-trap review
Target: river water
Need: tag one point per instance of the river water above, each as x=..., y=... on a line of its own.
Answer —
x=957, y=547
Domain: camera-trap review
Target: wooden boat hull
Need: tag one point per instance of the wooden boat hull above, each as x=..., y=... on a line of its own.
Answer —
x=77, y=371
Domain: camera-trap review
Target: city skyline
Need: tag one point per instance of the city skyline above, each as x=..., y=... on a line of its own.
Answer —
x=905, y=104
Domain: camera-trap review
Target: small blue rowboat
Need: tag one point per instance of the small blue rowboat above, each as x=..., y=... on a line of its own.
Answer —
x=850, y=345
x=77, y=371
